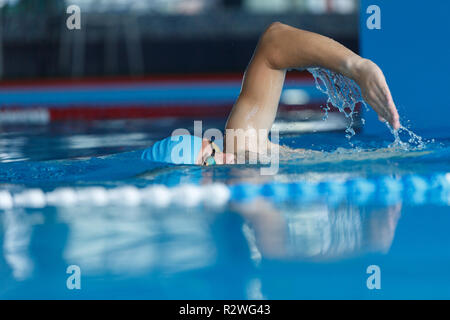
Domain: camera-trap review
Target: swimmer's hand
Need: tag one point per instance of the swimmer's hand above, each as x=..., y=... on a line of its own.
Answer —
x=374, y=88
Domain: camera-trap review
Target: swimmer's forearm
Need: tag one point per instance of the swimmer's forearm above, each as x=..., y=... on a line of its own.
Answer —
x=283, y=47
x=286, y=47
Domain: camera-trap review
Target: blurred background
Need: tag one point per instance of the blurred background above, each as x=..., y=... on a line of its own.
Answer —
x=148, y=67
x=148, y=37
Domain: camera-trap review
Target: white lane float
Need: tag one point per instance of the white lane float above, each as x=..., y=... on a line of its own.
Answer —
x=414, y=189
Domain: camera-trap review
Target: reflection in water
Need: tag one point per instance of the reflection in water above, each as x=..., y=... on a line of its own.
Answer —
x=17, y=235
x=136, y=240
x=84, y=141
x=178, y=253
x=11, y=148
x=316, y=231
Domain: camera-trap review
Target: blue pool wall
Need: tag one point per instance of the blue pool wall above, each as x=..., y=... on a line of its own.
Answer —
x=413, y=49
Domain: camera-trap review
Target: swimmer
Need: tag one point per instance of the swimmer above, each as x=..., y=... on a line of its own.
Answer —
x=281, y=47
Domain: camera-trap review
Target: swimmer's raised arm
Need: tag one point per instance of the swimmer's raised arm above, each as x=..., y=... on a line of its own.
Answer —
x=282, y=47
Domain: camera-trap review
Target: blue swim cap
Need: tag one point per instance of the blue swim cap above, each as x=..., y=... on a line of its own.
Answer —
x=182, y=149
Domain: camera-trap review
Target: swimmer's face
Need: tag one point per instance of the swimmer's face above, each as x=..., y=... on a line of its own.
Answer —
x=211, y=151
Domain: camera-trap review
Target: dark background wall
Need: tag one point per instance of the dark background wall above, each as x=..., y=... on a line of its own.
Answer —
x=37, y=43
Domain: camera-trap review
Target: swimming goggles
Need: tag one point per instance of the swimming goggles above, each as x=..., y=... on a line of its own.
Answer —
x=210, y=161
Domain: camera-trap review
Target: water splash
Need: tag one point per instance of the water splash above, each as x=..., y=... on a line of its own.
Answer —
x=414, y=141
x=325, y=109
x=344, y=94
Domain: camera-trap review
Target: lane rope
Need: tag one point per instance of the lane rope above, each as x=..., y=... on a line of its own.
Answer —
x=414, y=189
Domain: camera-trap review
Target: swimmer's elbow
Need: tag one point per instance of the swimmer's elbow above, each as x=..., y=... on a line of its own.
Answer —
x=273, y=27
x=269, y=45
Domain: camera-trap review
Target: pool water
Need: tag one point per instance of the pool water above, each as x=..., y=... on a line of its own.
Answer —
x=310, y=231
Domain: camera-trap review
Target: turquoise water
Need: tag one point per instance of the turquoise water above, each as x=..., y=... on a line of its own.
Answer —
x=310, y=231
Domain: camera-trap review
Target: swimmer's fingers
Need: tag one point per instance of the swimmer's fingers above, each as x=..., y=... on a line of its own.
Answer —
x=395, y=118
x=377, y=104
x=385, y=107
x=386, y=112
x=386, y=103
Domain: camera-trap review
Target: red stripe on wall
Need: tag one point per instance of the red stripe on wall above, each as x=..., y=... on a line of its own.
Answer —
x=133, y=112
x=130, y=112
x=18, y=114
x=292, y=76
